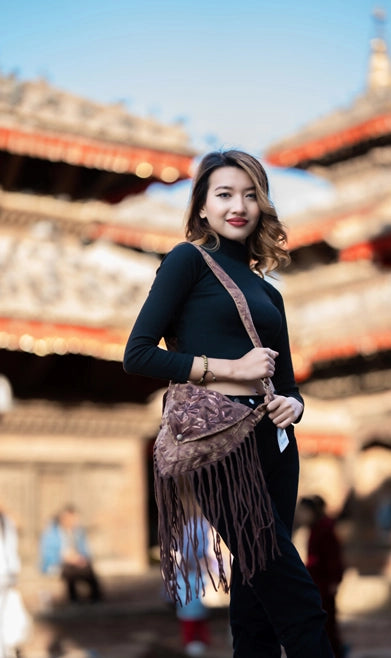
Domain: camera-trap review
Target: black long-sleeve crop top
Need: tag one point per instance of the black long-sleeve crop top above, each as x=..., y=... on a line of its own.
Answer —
x=187, y=302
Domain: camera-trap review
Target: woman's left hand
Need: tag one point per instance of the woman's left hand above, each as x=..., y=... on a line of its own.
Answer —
x=284, y=411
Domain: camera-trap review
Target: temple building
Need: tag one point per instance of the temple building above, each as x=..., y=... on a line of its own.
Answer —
x=79, y=246
x=338, y=298
x=78, y=252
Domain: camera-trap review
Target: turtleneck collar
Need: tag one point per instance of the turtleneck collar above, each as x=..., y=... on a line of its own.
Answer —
x=232, y=248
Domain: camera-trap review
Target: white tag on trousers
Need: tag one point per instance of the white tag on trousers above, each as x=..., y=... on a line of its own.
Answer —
x=282, y=438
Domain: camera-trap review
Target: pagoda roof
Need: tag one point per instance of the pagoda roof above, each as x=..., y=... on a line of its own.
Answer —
x=61, y=296
x=62, y=293
x=334, y=137
x=140, y=221
x=143, y=223
x=338, y=135
x=40, y=121
x=66, y=287
x=337, y=313
x=342, y=223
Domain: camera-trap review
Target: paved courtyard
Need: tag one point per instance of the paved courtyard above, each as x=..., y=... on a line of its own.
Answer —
x=134, y=621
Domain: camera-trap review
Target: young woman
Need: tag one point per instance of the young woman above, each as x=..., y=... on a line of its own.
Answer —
x=231, y=216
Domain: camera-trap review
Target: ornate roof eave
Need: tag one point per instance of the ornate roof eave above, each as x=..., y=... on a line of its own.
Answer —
x=341, y=313
x=82, y=151
x=60, y=295
x=149, y=240
x=36, y=105
x=43, y=338
x=142, y=222
x=311, y=147
x=306, y=286
x=341, y=224
x=366, y=344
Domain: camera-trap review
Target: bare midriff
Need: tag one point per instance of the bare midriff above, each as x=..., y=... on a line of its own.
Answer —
x=237, y=388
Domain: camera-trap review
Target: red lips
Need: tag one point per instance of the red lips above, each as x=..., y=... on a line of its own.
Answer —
x=240, y=221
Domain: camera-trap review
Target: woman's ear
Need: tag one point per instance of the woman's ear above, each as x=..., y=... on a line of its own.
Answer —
x=202, y=213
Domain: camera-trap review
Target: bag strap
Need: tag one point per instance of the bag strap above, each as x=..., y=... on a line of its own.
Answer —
x=241, y=305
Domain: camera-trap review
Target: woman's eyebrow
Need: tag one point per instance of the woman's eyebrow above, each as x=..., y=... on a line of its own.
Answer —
x=228, y=187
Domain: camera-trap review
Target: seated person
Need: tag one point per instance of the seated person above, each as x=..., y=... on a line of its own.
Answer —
x=64, y=550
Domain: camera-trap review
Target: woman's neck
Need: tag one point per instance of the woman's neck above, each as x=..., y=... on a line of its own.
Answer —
x=232, y=248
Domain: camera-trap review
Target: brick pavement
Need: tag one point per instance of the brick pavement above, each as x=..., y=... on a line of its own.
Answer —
x=135, y=622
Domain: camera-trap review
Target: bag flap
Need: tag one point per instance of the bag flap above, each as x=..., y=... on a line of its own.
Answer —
x=192, y=412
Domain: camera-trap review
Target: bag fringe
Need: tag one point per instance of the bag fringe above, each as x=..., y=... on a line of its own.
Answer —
x=231, y=494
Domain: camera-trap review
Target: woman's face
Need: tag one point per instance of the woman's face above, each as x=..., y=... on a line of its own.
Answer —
x=231, y=206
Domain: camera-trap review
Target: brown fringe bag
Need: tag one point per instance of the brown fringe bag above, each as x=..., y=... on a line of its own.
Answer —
x=205, y=437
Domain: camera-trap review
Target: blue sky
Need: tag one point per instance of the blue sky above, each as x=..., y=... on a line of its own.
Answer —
x=241, y=74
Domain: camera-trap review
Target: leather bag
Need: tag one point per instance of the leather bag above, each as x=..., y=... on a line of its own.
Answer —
x=206, y=438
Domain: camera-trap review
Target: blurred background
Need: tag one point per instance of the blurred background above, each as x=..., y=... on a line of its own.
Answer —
x=104, y=110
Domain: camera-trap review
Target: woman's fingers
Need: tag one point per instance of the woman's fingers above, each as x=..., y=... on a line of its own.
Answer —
x=270, y=365
x=284, y=411
x=258, y=363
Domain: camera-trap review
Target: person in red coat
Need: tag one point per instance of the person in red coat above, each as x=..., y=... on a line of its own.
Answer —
x=324, y=561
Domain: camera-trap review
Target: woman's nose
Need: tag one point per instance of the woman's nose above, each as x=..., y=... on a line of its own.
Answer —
x=238, y=203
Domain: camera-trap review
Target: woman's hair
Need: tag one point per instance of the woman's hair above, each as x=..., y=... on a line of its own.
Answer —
x=267, y=244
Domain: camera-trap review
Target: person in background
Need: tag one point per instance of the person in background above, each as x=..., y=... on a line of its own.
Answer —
x=9, y=556
x=193, y=615
x=64, y=550
x=324, y=560
x=6, y=396
x=15, y=624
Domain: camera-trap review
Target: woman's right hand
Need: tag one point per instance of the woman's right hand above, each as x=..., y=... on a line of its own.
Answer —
x=256, y=364
x=236, y=376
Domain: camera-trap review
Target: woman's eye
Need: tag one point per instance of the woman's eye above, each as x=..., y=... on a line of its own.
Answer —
x=223, y=195
x=252, y=196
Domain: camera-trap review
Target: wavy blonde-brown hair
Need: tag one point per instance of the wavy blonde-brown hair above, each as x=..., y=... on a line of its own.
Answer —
x=267, y=244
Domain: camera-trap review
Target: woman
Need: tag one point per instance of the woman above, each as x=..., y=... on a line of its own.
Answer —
x=231, y=216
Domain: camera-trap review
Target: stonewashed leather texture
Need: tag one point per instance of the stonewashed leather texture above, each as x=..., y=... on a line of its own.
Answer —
x=199, y=427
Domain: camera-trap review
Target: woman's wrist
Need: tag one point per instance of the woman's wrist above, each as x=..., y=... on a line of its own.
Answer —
x=207, y=374
x=297, y=406
x=212, y=369
x=224, y=369
x=205, y=361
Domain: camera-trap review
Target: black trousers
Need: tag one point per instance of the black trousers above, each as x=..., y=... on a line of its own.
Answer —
x=282, y=605
x=73, y=574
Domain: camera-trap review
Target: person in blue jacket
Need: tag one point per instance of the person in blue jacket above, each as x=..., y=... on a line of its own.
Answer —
x=64, y=550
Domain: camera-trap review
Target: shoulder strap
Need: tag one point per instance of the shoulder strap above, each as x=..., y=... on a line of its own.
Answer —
x=240, y=302
x=236, y=294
